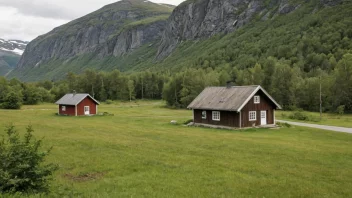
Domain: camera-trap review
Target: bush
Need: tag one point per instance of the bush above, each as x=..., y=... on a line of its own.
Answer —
x=12, y=101
x=283, y=124
x=109, y=101
x=188, y=121
x=299, y=115
x=340, y=109
x=21, y=164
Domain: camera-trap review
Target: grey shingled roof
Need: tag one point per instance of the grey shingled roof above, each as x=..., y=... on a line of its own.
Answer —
x=74, y=99
x=227, y=99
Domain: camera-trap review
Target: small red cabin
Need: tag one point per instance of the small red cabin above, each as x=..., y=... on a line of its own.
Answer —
x=77, y=105
x=235, y=107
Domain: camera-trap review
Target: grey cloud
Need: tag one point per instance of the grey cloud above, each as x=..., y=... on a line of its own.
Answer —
x=39, y=8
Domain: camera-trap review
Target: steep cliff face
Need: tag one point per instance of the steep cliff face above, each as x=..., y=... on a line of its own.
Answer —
x=196, y=19
x=116, y=29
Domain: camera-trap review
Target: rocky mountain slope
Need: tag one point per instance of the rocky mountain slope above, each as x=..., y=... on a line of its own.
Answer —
x=114, y=30
x=199, y=19
x=134, y=35
x=10, y=54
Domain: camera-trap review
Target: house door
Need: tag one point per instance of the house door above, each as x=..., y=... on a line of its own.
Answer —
x=86, y=110
x=263, y=118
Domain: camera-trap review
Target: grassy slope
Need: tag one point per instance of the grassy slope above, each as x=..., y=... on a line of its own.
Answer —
x=138, y=153
x=8, y=61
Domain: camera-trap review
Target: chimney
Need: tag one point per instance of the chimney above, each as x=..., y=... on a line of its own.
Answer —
x=74, y=92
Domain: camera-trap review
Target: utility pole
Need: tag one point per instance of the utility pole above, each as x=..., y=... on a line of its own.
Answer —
x=321, y=110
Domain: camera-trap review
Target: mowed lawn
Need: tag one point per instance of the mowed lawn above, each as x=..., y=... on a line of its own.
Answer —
x=138, y=153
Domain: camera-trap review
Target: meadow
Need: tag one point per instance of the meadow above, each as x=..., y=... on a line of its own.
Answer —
x=138, y=153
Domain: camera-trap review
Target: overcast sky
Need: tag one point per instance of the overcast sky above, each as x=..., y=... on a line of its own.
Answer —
x=27, y=19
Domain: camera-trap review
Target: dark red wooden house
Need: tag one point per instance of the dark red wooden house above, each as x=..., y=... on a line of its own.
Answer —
x=77, y=105
x=236, y=107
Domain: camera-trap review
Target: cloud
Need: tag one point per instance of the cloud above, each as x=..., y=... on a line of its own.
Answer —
x=27, y=19
x=17, y=26
x=40, y=8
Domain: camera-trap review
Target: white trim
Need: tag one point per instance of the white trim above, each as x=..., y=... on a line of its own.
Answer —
x=86, y=97
x=84, y=108
x=76, y=110
x=96, y=109
x=274, y=117
x=264, y=112
x=249, y=115
x=251, y=96
x=256, y=99
x=204, y=118
x=212, y=115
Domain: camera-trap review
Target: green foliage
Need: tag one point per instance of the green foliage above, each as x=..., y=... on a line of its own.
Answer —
x=299, y=115
x=340, y=109
x=12, y=101
x=21, y=163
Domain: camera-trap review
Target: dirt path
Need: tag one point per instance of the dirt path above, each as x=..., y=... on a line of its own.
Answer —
x=317, y=126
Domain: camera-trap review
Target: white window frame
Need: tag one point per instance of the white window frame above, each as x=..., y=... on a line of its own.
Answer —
x=216, y=115
x=204, y=115
x=256, y=99
x=252, y=115
x=63, y=108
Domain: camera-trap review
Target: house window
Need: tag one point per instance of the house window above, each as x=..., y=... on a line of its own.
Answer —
x=63, y=108
x=256, y=99
x=252, y=116
x=204, y=115
x=216, y=115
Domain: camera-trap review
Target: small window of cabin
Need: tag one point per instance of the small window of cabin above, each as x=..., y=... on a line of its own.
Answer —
x=216, y=115
x=252, y=116
x=63, y=108
x=256, y=99
x=204, y=115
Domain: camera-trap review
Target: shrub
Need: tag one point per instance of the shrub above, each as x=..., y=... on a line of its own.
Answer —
x=21, y=163
x=188, y=121
x=283, y=124
x=12, y=101
x=340, y=109
x=109, y=101
x=299, y=115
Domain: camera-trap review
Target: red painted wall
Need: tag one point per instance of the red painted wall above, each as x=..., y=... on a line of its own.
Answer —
x=70, y=110
x=87, y=102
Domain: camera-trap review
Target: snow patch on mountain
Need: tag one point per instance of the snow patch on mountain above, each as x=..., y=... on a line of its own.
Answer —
x=14, y=46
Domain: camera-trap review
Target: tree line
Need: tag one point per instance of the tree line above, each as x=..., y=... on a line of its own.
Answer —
x=290, y=86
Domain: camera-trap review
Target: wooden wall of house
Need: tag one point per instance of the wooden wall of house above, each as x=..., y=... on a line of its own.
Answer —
x=264, y=105
x=87, y=102
x=70, y=110
x=227, y=118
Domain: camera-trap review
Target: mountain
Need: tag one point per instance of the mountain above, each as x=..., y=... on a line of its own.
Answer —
x=114, y=31
x=10, y=54
x=135, y=35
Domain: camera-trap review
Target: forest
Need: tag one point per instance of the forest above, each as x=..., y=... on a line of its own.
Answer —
x=290, y=86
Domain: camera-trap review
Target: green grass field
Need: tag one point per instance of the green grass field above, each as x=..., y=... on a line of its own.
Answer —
x=327, y=118
x=138, y=153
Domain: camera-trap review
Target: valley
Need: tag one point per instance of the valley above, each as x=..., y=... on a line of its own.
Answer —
x=137, y=152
